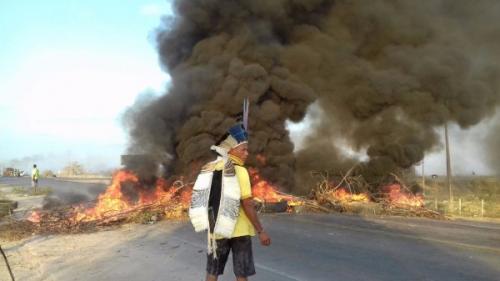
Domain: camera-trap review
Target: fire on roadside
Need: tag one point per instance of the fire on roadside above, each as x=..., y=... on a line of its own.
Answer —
x=392, y=195
x=34, y=217
x=343, y=196
x=116, y=200
x=396, y=196
x=264, y=191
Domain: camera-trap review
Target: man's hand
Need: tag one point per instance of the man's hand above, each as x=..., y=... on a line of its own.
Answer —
x=265, y=240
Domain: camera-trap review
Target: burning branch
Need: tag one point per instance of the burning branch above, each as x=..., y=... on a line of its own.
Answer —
x=345, y=178
x=393, y=199
x=337, y=197
x=115, y=205
x=400, y=182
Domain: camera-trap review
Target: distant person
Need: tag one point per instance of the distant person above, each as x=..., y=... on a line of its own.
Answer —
x=35, y=175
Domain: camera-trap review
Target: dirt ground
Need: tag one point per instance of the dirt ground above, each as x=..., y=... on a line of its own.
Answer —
x=130, y=252
x=25, y=202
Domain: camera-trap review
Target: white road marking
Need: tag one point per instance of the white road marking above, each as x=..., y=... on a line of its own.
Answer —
x=277, y=272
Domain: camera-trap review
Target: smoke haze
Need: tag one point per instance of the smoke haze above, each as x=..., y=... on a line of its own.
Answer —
x=384, y=75
x=493, y=146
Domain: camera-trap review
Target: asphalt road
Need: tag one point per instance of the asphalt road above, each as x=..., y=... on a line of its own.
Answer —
x=338, y=247
x=64, y=191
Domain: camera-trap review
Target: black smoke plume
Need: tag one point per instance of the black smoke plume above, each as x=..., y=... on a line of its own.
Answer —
x=385, y=75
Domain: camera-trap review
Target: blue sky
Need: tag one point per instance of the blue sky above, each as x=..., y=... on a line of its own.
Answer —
x=68, y=70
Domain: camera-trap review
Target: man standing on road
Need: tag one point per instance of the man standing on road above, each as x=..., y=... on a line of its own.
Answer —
x=35, y=175
x=222, y=204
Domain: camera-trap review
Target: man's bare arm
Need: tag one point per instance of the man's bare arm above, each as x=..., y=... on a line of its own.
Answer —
x=249, y=208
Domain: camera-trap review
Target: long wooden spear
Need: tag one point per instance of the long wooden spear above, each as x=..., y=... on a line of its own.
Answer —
x=7, y=263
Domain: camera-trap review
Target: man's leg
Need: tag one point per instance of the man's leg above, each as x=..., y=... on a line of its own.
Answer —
x=215, y=266
x=243, y=264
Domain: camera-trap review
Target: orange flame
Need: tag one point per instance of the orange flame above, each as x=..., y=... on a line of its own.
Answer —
x=264, y=191
x=114, y=201
x=342, y=195
x=397, y=197
x=34, y=217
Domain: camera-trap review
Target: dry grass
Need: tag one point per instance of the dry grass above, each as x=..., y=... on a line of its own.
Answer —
x=44, y=190
x=471, y=190
x=16, y=230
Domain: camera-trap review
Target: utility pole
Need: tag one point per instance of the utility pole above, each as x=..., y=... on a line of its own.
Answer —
x=448, y=165
x=423, y=176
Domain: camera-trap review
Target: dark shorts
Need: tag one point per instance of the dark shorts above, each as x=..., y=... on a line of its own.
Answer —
x=241, y=247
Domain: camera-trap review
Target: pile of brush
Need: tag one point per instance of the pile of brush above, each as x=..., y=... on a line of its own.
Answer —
x=62, y=220
x=410, y=211
x=343, y=196
x=351, y=194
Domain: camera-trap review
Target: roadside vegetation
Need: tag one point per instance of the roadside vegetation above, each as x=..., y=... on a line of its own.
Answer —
x=32, y=192
x=473, y=196
x=6, y=206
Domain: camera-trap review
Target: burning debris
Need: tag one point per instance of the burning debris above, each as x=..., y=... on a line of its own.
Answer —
x=393, y=199
x=130, y=199
x=126, y=199
x=395, y=196
x=344, y=196
x=269, y=198
x=117, y=199
x=264, y=191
